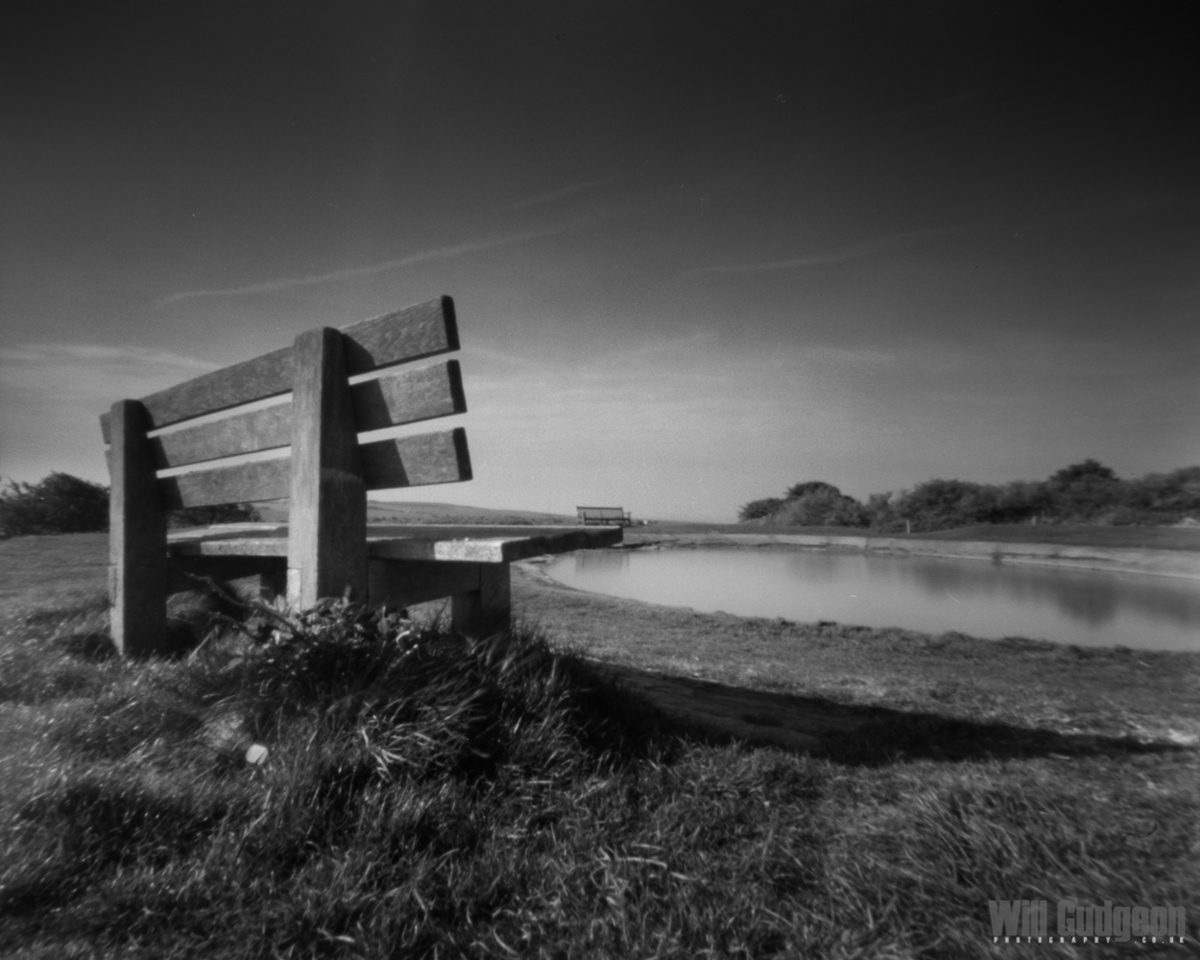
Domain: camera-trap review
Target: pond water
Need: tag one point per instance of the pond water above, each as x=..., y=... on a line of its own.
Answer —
x=929, y=594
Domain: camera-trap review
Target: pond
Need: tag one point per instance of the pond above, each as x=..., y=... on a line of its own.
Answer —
x=929, y=594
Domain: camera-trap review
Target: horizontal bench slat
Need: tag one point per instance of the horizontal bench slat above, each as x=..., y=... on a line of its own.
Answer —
x=415, y=461
x=424, y=330
x=502, y=548
x=420, y=331
x=240, y=483
x=418, y=543
x=406, y=397
x=246, y=433
x=409, y=397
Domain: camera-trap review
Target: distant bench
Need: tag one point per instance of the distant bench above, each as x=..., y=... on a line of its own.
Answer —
x=311, y=455
x=605, y=515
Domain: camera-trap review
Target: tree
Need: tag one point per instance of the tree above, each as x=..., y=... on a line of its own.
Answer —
x=1084, y=491
x=759, y=509
x=1088, y=471
x=810, y=487
x=942, y=504
x=813, y=503
x=821, y=505
x=59, y=503
x=1019, y=502
x=1162, y=497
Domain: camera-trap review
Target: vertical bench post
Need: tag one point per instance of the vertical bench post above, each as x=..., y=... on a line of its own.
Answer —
x=489, y=607
x=327, y=525
x=137, y=573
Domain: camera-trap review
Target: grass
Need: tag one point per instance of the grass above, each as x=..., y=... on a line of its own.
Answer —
x=1025, y=683
x=426, y=796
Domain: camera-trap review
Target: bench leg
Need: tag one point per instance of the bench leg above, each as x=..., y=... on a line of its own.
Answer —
x=488, y=608
x=137, y=571
x=480, y=593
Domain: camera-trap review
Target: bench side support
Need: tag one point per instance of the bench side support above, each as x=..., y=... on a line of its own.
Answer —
x=137, y=573
x=327, y=524
x=481, y=597
x=488, y=608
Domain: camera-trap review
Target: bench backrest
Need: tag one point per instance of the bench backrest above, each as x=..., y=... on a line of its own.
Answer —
x=404, y=397
x=602, y=514
x=307, y=445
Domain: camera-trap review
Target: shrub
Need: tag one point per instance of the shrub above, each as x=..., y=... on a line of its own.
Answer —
x=1084, y=491
x=941, y=504
x=759, y=509
x=810, y=504
x=60, y=503
x=810, y=487
x=823, y=506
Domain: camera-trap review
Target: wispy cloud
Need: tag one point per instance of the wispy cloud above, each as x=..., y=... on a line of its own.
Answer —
x=862, y=250
x=39, y=355
x=88, y=376
x=52, y=395
x=562, y=193
x=423, y=256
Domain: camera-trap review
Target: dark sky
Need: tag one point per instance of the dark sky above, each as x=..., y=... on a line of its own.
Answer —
x=700, y=251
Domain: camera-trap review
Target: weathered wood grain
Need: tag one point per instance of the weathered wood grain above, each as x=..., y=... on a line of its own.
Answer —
x=415, y=461
x=250, y=432
x=420, y=460
x=256, y=379
x=137, y=537
x=409, y=396
x=490, y=544
x=423, y=330
x=398, y=583
x=239, y=483
x=479, y=612
x=227, y=531
x=327, y=522
x=435, y=544
x=231, y=547
x=315, y=461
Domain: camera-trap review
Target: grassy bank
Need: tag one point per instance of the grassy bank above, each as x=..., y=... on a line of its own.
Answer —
x=427, y=797
x=1067, y=535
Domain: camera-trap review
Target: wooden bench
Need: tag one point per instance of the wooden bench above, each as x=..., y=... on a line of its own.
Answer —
x=605, y=515
x=289, y=429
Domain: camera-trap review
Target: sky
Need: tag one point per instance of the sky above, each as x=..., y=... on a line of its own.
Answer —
x=699, y=251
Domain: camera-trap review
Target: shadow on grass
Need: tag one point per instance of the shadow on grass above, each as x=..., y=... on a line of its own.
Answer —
x=853, y=735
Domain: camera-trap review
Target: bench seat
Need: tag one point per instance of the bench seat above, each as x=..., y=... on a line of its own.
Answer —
x=418, y=542
x=405, y=564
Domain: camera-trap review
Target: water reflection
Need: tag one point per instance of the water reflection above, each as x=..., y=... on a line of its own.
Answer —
x=1086, y=598
x=600, y=562
x=921, y=593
